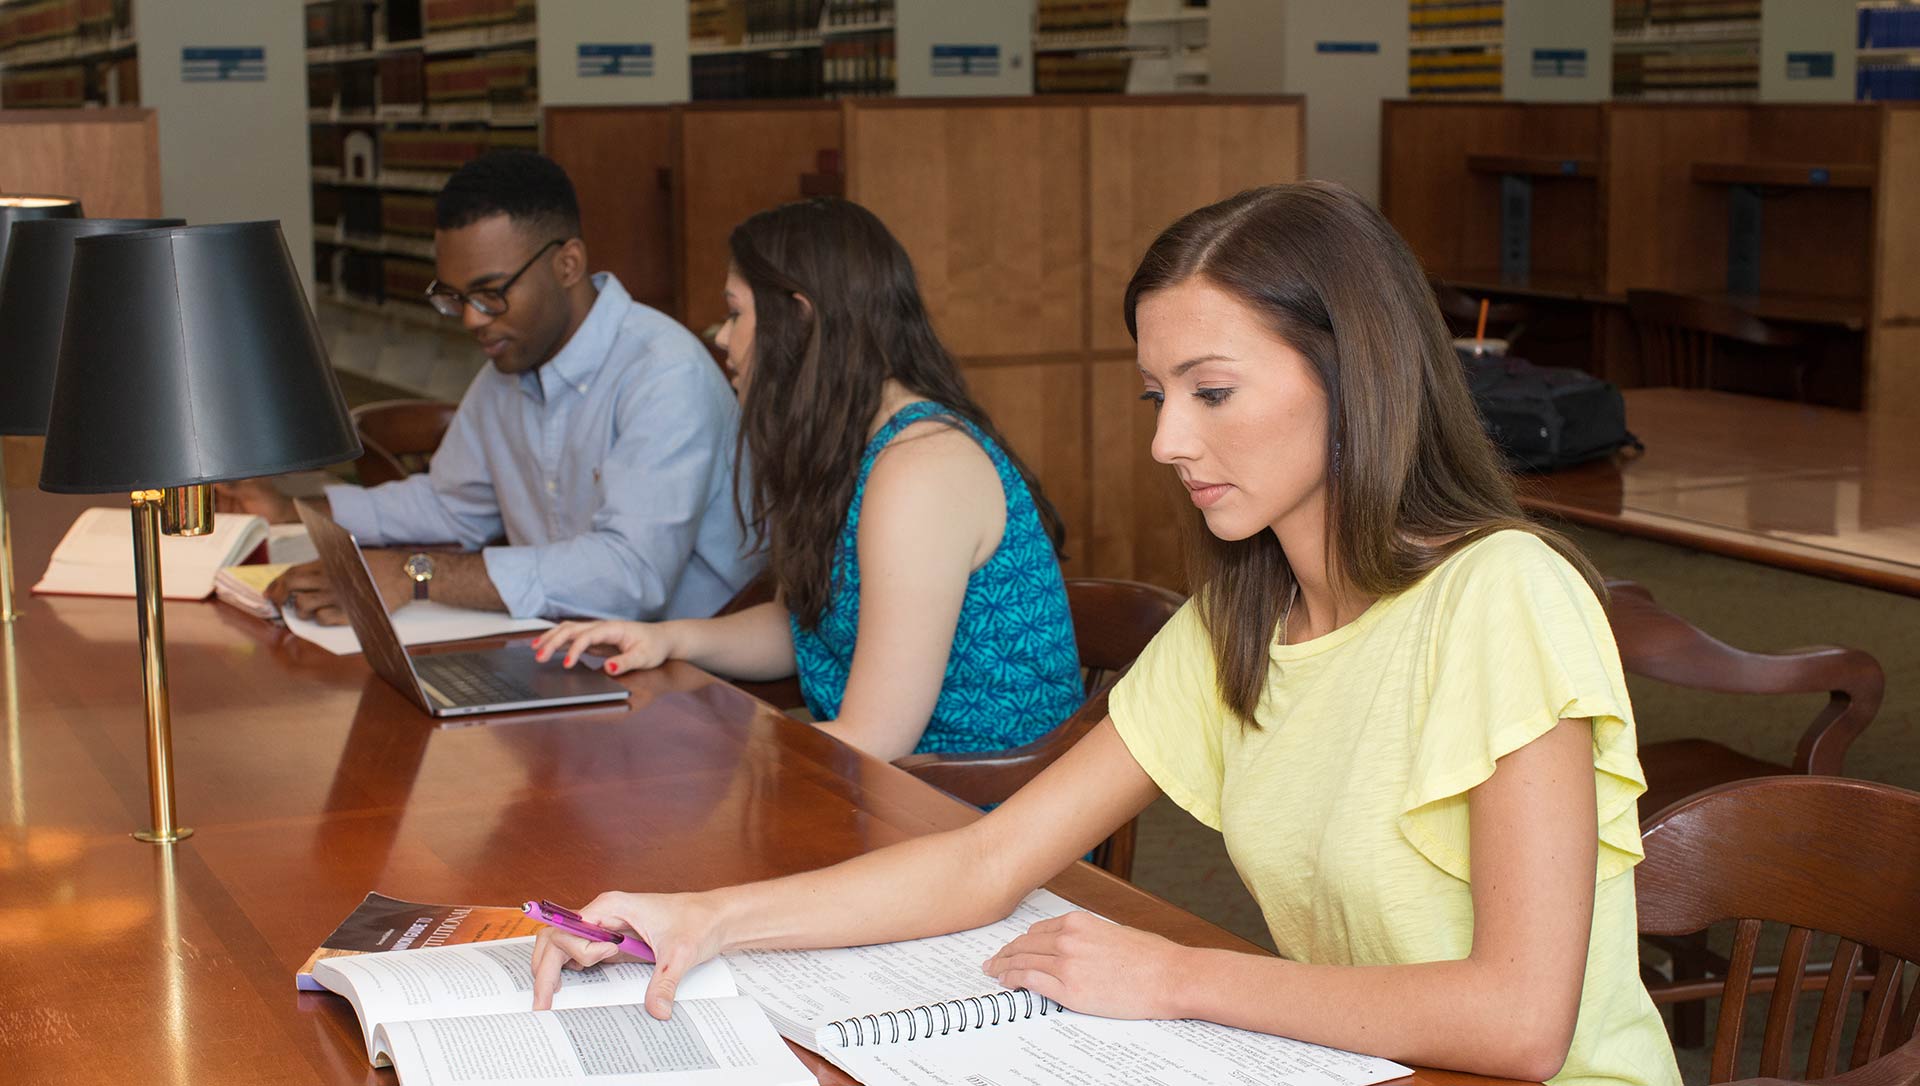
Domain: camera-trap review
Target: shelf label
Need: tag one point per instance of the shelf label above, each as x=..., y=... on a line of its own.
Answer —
x=224, y=64
x=1809, y=65
x=1559, y=63
x=1346, y=47
x=615, y=59
x=966, y=60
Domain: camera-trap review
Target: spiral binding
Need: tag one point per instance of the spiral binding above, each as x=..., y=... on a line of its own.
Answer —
x=940, y=1019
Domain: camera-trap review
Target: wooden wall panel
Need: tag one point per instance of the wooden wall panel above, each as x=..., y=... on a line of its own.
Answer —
x=1151, y=164
x=1893, y=375
x=990, y=204
x=1897, y=222
x=109, y=158
x=1138, y=507
x=1041, y=409
x=735, y=162
x=616, y=158
x=1425, y=187
x=1663, y=230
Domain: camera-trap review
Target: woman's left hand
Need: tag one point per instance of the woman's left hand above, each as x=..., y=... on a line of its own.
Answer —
x=1094, y=966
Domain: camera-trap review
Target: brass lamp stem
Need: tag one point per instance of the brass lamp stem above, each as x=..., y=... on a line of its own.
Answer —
x=153, y=668
x=8, y=612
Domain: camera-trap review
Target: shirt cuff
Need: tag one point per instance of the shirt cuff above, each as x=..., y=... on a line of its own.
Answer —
x=515, y=572
x=354, y=511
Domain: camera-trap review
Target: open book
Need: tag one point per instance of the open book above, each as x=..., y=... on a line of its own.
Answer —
x=95, y=557
x=460, y=1014
x=921, y=1013
x=381, y=923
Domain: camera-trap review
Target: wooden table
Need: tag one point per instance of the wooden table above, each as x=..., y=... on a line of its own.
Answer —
x=1812, y=489
x=310, y=782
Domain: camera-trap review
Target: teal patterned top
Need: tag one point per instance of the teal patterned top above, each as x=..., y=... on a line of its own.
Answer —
x=1014, y=671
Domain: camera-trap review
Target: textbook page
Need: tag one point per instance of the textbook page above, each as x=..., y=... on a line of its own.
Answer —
x=421, y=622
x=95, y=557
x=804, y=990
x=488, y=978
x=1084, y=1050
x=708, y=1042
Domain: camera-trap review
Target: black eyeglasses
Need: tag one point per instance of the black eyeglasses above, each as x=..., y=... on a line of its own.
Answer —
x=491, y=301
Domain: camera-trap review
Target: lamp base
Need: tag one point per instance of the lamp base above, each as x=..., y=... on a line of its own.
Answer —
x=155, y=837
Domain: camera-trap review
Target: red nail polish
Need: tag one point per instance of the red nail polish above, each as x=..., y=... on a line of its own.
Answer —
x=613, y=668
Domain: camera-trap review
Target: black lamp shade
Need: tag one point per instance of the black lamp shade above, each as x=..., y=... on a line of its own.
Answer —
x=18, y=207
x=189, y=355
x=33, y=306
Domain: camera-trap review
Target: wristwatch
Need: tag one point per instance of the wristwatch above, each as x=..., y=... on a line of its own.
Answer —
x=420, y=568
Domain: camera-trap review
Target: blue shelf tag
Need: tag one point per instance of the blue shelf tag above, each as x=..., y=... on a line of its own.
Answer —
x=1560, y=63
x=1818, y=176
x=1569, y=167
x=1809, y=65
x=224, y=64
x=964, y=60
x=1346, y=47
x=599, y=59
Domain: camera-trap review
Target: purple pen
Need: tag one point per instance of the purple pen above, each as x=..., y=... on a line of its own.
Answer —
x=546, y=912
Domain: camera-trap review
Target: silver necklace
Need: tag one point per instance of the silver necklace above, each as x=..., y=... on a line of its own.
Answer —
x=1287, y=612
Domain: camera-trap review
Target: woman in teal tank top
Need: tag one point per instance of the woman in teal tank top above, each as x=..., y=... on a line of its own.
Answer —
x=918, y=593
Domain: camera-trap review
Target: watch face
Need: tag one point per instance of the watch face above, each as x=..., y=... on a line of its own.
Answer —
x=419, y=567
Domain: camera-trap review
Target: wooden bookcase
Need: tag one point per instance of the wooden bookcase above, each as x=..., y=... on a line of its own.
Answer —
x=1799, y=213
x=1024, y=218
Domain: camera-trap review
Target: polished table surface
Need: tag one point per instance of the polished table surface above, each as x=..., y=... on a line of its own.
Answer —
x=310, y=782
x=1814, y=489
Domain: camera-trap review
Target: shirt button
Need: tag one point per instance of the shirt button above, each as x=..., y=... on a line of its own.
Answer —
x=552, y=487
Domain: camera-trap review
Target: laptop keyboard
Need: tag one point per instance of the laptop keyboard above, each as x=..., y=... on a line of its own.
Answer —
x=461, y=678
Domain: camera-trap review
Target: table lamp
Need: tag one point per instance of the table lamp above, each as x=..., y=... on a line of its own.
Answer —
x=33, y=304
x=18, y=208
x=189, y=356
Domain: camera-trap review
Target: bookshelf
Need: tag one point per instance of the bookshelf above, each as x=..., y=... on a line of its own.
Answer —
x=1686, y=50
x=66, y=54
x=1120, y=46
x=399, y=94
x=1888, y=57
x=1455, y=49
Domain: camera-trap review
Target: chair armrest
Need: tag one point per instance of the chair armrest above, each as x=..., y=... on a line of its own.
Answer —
x=987, y=777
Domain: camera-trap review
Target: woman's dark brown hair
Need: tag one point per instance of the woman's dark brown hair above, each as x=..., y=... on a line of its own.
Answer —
x=818, y=371
x=1411, y=476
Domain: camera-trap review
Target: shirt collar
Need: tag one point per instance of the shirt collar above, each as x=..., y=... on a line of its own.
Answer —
x=586, y=350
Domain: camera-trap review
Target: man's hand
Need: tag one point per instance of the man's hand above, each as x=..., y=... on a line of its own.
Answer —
x=256, y=496
x=307, y=591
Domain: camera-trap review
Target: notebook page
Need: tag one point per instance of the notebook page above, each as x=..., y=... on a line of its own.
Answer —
x=422, y=622
x=803, y=990
x=1090, y=1051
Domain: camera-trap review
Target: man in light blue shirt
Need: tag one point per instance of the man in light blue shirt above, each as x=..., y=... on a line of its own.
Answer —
x=600, y=442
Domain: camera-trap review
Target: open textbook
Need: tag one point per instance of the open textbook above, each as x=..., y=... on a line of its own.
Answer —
x=381, y=923
x=95, y=557
x=921, y=1013
x=459, y=1014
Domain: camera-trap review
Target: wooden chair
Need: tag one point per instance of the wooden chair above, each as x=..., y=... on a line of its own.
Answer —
x=1820, y=855
x=1658, y=644
x=1680, y=335
x=1112, y=621
x=398, y=437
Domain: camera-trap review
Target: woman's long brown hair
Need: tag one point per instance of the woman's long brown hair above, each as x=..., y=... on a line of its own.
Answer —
x=818, y=371
x=1411, y=475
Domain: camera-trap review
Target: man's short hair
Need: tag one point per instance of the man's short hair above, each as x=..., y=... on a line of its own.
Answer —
x=528, y=188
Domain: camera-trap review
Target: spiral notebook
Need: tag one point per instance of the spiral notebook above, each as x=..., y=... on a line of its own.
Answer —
x=921, y=1013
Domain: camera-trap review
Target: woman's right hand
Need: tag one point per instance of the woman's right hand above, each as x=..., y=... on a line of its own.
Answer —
x=638, y=645
x=681, y=929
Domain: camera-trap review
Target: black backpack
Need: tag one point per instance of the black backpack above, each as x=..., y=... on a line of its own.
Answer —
x=1546, y=417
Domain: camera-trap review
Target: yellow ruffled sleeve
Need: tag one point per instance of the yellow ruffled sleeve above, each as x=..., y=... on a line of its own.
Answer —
x=1168, y=712
x=1520, y=644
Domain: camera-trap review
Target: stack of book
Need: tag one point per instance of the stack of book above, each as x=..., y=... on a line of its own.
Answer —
x=858, y=64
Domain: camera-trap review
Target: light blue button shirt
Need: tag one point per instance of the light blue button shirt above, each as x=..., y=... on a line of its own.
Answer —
x=609, y=471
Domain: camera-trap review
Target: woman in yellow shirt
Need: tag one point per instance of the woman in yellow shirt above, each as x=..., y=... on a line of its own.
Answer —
x=1398, y=699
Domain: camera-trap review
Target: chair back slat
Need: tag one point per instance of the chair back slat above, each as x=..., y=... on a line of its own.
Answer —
x=1880, y=1011
x=1733, y=1004
x=1823, y=1055
x=1908, y=1018
x=1776, y=1047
